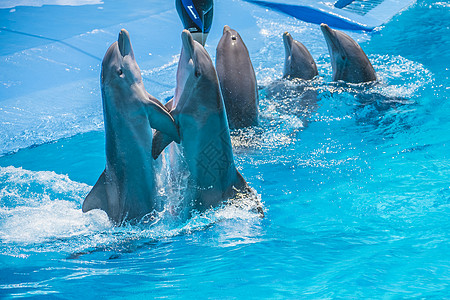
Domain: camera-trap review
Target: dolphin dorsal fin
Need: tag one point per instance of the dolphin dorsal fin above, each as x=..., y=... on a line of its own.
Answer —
x=97, y=198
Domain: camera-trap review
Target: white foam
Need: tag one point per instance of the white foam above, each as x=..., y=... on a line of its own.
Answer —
x=41, y=206
x=41, y=211
x=399, y=76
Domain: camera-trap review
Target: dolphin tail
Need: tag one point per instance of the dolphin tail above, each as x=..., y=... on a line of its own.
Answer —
x=97, y=197
x=242, y=186
x=160, y=142
x=241, y=183
x=161, y=120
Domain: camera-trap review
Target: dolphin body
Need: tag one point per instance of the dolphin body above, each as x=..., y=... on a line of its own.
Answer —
x=126, y=188
x=298, y=61
x=237, y=80
x=348, y=60
x=199, y=112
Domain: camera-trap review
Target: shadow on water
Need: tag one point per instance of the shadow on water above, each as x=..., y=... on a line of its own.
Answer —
x=294, y=97
x=115, y=251
x=370, y=103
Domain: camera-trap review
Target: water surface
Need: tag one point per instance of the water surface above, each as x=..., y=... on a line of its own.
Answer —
x=354, y=179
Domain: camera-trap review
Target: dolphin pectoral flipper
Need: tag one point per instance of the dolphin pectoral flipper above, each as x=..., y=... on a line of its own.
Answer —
x=97, y=198
x=160, y=142
x=169, y=105
x=161, y=120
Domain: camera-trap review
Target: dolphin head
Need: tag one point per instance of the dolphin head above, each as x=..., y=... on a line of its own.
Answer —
x=348, y=60
x=119, y=63
x=123, y=91
x=231, y=43
x=231, y=36
x=196, y=74
x=121, y=79
x=298, y=61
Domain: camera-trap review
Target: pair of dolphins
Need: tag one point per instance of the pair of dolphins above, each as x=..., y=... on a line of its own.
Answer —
x=348, y=60
x=238, y=81
x=195, y=118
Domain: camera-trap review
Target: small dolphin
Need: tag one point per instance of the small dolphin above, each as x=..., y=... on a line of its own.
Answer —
x=237, y=80
x=298, y=61
x=348, y=60
x=126, y=188
x=199, y=112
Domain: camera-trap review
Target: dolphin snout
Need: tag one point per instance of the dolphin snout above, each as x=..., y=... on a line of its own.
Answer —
x=226, y=28
x=125, y=43
x=326, y=30
x=330, y=37
x=287, y=40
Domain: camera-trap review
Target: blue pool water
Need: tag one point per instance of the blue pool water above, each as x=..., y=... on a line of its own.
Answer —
x=355, y=182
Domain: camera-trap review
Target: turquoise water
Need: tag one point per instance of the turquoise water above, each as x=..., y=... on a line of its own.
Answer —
x=354, y=180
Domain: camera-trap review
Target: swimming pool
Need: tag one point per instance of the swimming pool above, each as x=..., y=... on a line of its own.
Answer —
x=355, y=188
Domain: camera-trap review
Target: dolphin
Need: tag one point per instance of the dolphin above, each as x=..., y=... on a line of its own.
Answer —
x=348, y=60
x=126, y=188
x=298, y=61
x=199, y=112
x=237, y=80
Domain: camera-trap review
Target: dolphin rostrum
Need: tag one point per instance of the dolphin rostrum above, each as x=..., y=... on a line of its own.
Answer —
x=237, y=80
x=298, y=61
x=199, y=112
x=348, y=60
x=126, y=188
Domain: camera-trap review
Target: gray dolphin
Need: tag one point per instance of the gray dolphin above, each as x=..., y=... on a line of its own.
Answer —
x=348, y=60
x=237, y=80
x=126, y=188
x=298, y=61
x=199, y=112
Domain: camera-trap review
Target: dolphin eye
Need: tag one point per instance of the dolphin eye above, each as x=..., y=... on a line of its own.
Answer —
x=119, y=72
x=197, y=73
x=233, y=38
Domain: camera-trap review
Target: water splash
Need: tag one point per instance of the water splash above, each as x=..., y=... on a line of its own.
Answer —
x=41, y=211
